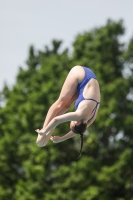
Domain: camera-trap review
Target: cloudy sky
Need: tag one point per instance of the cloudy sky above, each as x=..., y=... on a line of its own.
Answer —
x=37, y=22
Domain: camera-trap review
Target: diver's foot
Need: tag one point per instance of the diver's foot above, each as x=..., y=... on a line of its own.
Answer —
x=40, y=140
x=41, y=132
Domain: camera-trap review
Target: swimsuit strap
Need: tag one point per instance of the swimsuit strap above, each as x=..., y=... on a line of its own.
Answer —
x=95, y=108
x=92, y=100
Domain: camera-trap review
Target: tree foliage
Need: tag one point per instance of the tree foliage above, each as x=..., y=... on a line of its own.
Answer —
x=105, y=169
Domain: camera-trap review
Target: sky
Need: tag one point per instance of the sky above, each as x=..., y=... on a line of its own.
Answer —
x=38, y=22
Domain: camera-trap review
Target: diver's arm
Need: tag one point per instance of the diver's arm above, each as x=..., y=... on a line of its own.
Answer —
x=57, y=139
x=71, y=116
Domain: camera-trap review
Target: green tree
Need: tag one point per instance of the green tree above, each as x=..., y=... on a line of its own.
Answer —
x=104, y=172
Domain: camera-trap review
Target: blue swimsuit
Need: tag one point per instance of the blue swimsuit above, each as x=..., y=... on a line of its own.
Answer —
x=89, y=74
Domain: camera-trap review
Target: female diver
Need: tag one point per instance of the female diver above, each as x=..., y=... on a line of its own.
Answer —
x=81, y=85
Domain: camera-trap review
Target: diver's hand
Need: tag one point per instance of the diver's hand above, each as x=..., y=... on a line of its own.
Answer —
x=56, y=139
